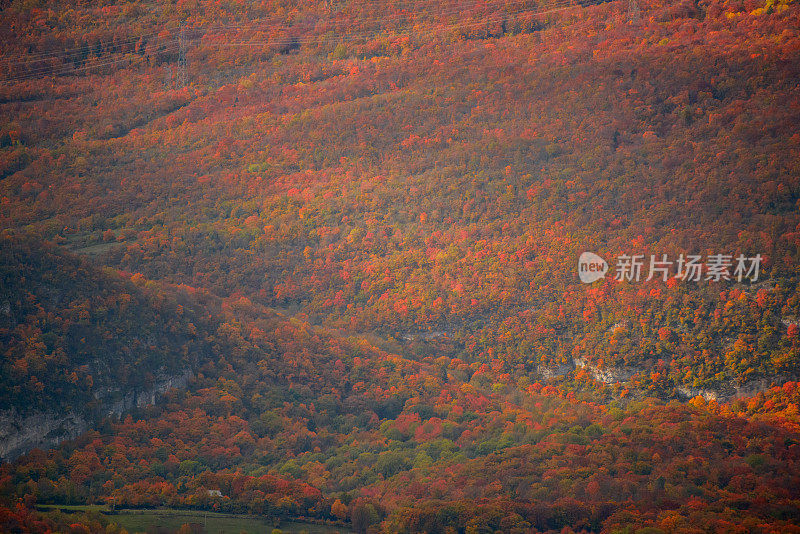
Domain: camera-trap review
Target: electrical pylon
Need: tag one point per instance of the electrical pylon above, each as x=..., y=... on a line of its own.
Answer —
x=182, y=76
x=633, y=12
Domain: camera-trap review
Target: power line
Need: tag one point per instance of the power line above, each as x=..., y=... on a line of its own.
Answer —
x=181, y=43
x=67, y=69
x=68, y=53
x=82, y=49
x=555, y=7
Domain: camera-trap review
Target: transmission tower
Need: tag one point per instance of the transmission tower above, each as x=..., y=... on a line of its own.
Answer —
x=633, y=12
x=182, y=77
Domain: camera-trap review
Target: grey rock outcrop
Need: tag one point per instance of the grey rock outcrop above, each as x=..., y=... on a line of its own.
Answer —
x=20, y=433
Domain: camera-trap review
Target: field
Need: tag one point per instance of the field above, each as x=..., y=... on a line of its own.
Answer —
x=162, y=520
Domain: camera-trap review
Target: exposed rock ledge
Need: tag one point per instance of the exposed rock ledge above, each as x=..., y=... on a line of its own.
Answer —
x=113, y=402
x=730, y=391
x=619, y=375
x=21, y=433
x=43, y=430
x=608, y=375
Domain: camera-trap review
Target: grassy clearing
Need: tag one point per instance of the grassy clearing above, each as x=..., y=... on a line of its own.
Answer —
x=73, y=508
x=170, y=520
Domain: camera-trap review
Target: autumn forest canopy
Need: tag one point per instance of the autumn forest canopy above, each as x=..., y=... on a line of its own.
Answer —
x=318, y=262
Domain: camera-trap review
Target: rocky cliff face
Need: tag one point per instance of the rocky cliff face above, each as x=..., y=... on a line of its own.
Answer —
x=608, y=375
x=114, y=402
x=21, y=433
x=731, y=390
x=617, y=375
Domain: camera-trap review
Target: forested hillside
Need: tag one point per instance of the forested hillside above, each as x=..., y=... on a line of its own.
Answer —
x=352, y=230
x=294, y=421
x=85, y=342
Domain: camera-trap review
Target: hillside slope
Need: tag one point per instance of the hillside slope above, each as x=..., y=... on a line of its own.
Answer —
x=297, y=421
x=358, y=225
x=443, y=179
x=80, y=343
